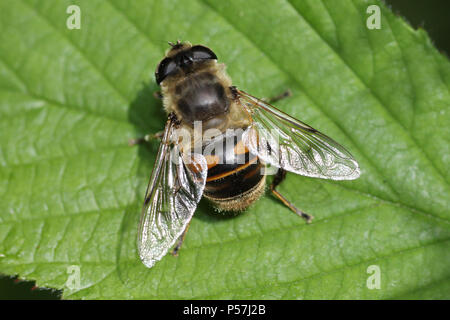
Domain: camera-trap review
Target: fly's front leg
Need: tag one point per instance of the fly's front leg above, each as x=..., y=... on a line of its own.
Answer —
x=279, y=177
x=146, y=138
x=279, y=97
x=158, y=95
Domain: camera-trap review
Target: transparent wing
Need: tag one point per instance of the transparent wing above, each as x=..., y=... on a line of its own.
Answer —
x=285, y=142
x=175, y=188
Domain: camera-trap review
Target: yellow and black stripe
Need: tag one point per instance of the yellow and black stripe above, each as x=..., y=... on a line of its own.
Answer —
x=232, y=169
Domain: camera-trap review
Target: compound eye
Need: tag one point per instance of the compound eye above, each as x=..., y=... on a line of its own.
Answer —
x=165, y=68
x=202, y=53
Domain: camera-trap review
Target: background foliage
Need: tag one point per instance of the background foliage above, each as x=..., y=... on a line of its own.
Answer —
x=71, y=189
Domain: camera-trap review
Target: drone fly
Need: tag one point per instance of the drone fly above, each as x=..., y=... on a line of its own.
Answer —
x=228, y=166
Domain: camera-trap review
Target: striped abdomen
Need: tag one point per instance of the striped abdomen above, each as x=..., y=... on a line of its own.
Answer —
x=235, y=175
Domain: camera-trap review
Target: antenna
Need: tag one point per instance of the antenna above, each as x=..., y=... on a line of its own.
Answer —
x=173, y=45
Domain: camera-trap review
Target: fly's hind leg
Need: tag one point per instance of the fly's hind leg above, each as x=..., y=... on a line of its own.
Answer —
x=180, y=241
x=279, y=177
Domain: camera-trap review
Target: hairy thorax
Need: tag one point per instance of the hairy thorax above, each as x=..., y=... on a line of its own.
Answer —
x=203, y=95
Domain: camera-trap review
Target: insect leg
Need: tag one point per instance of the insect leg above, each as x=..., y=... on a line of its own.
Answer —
x=180, y=241
x=279, y=97
x=279, y=177
x=146, y=138
x=158, y=95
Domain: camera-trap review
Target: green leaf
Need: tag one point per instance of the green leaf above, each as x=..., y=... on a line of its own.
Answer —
x=71, y=189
